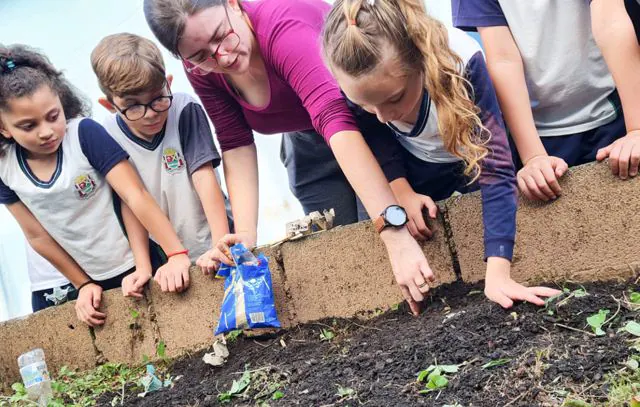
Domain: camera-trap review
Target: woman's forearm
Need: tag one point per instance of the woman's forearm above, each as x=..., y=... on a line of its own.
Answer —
x=241, y=176
x=212, y=201
x=363, y=172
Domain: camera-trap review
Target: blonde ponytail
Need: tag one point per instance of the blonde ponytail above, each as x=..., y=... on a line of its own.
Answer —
x=422, y=44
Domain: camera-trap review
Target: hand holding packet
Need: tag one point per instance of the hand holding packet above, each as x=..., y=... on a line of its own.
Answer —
x=248, y=293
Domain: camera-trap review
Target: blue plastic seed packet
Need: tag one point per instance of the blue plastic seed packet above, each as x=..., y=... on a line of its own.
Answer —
x=248, y=293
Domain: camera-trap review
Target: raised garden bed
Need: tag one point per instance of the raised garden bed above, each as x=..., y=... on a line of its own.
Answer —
x=581, y=350
x=526, y=356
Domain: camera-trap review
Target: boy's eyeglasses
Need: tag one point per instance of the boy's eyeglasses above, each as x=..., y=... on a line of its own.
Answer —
x=139, y=110
x=227, y=46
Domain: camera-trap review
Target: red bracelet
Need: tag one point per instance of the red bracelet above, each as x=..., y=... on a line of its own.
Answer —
x=170, y=255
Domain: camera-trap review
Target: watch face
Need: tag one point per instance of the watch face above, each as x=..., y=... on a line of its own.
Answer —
x=396, y=216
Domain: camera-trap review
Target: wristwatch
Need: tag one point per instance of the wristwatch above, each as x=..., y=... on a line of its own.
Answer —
x=394, y=216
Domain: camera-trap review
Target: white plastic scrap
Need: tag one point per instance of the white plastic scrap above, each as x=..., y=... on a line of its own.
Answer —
x=58, y=296
x=219, y=355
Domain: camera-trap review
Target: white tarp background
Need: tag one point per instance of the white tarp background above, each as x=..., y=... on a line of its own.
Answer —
x=67, y=31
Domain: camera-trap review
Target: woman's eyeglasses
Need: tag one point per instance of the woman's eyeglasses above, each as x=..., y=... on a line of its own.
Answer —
x=227, y=46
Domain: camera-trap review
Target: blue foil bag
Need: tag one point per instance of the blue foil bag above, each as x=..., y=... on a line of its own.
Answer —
x=248, y=293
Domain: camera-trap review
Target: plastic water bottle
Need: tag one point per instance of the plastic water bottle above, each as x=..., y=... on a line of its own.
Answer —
x=35, y=376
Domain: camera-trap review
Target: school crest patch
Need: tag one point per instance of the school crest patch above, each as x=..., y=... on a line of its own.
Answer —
x=85, y=186
x=172, y=160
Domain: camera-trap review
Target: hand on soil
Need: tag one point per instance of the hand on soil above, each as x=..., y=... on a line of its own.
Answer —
x=500, y=288
x=174, y=276
x=623, y=154
x=409, y=265
x=133, y=284
x=538, y=179
x=413, y=204
x=87, y=305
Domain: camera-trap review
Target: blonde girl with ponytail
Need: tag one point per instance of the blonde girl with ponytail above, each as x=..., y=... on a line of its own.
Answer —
x=430, y=85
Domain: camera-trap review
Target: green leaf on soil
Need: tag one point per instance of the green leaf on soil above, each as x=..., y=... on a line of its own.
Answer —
x=552, y=299
x=449, y=368
x=161, y=350
x=237, y=387
x=327, y=335
x=395, y=307
x=240, y=385
x=580, y=292
x=438, y=370
x=345, y=391
x=233, y=335
x=635, y=402
x=634, y=297
x=596, y=321
x=496, y=362
x=423, y=375
x=633, y=328
x=632, y=364
x=19, y=388
x=436, y=381
x=20, y=393
x=277, y=395
x=134, y=314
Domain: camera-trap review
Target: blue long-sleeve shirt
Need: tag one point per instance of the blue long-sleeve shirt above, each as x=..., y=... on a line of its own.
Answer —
x=497, y=178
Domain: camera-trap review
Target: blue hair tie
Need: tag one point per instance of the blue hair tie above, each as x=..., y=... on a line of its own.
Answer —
x=7, y=64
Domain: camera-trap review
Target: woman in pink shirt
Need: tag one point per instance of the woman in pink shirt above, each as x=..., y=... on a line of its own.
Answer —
x=257, y=66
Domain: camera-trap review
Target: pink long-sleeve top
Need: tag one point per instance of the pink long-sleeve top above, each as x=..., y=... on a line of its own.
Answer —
x=304, y=95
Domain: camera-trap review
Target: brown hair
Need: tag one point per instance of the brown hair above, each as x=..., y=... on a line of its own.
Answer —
x=126, y=64
x=353, y=36
x=23, y=70
x=167, y=18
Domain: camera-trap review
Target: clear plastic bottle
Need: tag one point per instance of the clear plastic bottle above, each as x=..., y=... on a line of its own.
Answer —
x=35, y=376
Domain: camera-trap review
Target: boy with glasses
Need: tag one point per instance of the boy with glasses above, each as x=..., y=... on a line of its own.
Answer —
x=169, y=142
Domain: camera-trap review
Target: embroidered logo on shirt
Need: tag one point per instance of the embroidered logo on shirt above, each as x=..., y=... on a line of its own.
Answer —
x=172, y=160
x=85, y=186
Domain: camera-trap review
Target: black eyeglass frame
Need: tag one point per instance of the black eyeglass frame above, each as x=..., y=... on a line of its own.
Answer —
x=147, y=105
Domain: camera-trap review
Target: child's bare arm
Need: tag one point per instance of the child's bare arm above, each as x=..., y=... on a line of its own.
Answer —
x=212, y=200
x=133, y=284
x=46, y=246
x=90, y=295
x=123, y=178
x=538, y=178
x=615, y=35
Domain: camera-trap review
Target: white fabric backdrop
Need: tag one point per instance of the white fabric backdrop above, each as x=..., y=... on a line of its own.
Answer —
x=67, y=31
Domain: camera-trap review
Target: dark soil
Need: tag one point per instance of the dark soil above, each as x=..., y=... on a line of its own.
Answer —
x=379, y=359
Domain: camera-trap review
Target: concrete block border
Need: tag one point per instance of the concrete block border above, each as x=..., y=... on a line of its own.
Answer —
x=589, y=234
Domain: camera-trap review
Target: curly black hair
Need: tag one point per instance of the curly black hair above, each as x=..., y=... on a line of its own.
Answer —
x=23, y=70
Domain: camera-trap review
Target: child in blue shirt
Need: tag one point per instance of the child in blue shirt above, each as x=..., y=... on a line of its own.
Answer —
x=430, y=86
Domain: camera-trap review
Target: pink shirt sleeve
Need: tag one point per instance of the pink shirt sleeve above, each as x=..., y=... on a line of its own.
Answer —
x=231, y=127
x=294, y=49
